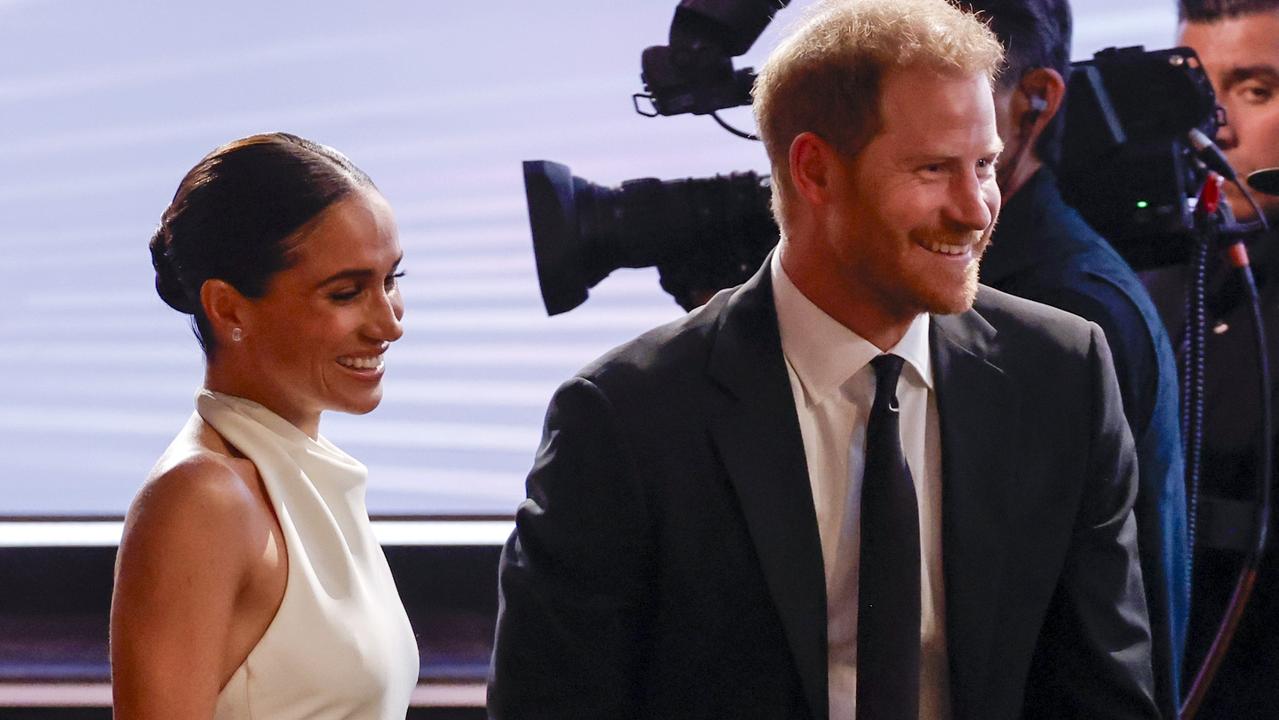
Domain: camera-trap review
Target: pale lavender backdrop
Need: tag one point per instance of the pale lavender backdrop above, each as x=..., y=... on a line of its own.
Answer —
x=103, y=107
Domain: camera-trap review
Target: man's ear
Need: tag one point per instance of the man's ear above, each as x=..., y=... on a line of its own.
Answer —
x=227, y=309
x=812, y=163
x=1036, y=101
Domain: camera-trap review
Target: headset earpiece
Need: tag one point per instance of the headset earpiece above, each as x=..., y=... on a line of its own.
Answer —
x=1037, y=107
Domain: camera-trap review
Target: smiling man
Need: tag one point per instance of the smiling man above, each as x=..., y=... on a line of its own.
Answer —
x=859, y=485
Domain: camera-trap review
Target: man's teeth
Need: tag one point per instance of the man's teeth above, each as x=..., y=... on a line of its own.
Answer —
x=372, y=362
x=947, y=249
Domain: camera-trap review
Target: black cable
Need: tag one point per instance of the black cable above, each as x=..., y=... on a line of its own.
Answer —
x=1252, y=200
x=1252, y=563
x=1209, y=226
x=739, y=133
x=1266, y=450
x=1192, y=390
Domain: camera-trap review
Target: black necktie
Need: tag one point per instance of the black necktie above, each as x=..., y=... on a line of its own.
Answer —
x=888, y=573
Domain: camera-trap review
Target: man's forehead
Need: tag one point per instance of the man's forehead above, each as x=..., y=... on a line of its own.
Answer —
x=923, y=103
x=926, y=91
x=941, y=146
x=1237, y=36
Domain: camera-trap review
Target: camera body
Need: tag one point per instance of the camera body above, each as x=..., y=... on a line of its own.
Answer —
x=1127, y=164
x=702, y=234
x=694, y=74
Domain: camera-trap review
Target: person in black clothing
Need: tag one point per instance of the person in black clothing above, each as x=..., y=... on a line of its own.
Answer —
x=1238, y=43
x=1043, y=250
x=698, y=539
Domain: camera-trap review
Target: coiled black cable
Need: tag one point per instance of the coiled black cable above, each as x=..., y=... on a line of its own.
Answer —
x=1192, y=388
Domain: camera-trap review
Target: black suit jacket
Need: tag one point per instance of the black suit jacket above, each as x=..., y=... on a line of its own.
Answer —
x=666, y=563
x=1043, y=250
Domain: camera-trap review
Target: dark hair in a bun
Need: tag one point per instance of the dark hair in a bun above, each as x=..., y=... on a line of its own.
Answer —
x=235, y=212
x=167, y=282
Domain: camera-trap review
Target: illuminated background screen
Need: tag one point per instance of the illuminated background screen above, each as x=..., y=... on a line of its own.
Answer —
x=104, y=106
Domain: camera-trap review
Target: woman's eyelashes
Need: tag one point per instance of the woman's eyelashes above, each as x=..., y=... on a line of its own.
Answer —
x=345, y=295
x=348, y=293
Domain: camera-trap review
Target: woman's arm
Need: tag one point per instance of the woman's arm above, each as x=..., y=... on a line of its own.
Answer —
x=185, y=557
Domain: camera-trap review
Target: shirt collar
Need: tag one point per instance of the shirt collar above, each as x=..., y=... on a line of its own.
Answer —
x=824, y=353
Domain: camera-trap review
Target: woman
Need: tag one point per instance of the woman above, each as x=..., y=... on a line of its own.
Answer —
x=249, y=583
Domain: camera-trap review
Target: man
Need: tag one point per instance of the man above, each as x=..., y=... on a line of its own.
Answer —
x=841, y=490
x=1043, y=250
x=1238, y=43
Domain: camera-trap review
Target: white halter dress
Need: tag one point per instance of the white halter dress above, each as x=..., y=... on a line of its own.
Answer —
x=340, y=646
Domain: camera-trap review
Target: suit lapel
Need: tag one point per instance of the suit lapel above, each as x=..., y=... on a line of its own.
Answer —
x=757, y=434
x=977, y=408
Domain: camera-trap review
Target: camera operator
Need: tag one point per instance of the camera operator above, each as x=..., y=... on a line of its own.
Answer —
x=1043, y=250
x=1238, y=43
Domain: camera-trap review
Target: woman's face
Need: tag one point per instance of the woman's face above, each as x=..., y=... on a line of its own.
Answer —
x=315, y=340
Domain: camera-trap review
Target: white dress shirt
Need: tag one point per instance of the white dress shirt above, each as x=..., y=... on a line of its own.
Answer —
x=834, y=387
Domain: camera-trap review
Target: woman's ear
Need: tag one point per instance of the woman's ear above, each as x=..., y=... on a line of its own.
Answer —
x=227, y=310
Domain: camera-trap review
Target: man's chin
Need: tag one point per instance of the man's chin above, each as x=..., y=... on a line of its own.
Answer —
x=955, y=306
x=955, y=300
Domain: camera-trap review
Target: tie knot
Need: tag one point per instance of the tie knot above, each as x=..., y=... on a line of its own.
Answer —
x=887, y=369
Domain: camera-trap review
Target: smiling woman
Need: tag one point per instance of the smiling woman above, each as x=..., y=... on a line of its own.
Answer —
x=315, y=339
x=249, y=552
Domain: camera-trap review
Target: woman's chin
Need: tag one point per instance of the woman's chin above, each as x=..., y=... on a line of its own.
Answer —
x=359, y=405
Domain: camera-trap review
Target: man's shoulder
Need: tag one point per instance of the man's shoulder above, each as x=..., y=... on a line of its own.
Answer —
x=1003, y=309
x=1021, y=321
x=1039, y=348
x=661, y=356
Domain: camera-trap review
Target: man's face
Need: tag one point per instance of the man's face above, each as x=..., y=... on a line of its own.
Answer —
x=914, y=210
x=1241, y=56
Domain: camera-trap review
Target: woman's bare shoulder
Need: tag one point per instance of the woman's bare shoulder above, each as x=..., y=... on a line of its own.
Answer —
x=199, y=491
x=193, y=544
